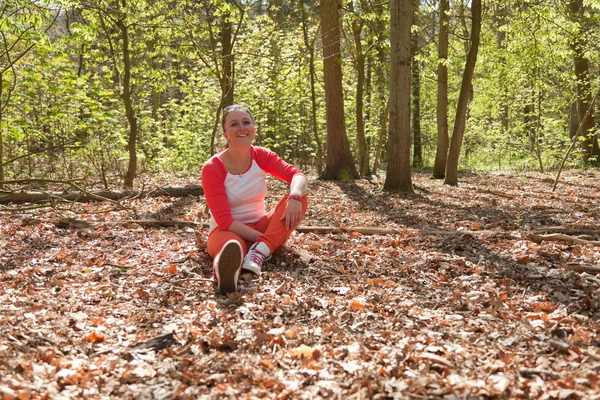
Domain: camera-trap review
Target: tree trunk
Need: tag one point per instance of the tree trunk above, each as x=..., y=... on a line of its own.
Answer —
x=441, y=155
x=382, y=136
x=463, y=97
x=416, y=95
x=398, y=176
x=500, y=17
x=1, y=131
x=582, y=73
x=227, y=61
x=126, y=95
x=340, y=164
x=313, y=95
x=363, y=153
x=573, y=119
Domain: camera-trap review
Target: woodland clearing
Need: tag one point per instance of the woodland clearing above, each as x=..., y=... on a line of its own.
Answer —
x=485, y=290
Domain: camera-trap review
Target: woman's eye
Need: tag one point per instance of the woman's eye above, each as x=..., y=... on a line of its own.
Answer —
x=247, y=123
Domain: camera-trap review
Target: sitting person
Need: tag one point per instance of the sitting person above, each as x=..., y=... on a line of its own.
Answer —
x=242, y=235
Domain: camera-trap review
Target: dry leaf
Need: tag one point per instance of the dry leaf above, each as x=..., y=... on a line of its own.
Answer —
x=357, y=305
x=95, y=337
x=435, y=358
x=305, y=352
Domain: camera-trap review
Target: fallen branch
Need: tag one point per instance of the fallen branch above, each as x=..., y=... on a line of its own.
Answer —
x=493, y=192
x=590, y=269
x=566, y=230
x=365, y=230
x=559, y=237
x=536, y=371
x=156, y=343
x=82, y=196
x=66, y=223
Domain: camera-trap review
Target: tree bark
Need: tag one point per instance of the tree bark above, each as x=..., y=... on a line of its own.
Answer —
x=363, y=153
x=398, y=176
x=340, y=164
x=582, y=74
x=382, y=135
x=463, y=97
x=227, y=61
x=313, y=95
x=443, y=142
x=416, y=95
x=1, y=131
x=127, y=97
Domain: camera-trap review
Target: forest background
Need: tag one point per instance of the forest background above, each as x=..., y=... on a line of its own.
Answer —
x=485, y=290
x=111, y=90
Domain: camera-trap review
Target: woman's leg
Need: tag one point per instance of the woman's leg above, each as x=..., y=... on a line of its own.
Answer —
x=227, y=250
x=275, y=234
x=217, y=239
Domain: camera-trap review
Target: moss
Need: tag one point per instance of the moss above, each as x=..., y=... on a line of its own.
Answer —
x=345, y=175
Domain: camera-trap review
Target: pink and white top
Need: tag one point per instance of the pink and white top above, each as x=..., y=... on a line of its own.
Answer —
x=241, y=197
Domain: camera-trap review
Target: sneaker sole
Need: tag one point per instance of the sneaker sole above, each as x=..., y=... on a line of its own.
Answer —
x=230, y=260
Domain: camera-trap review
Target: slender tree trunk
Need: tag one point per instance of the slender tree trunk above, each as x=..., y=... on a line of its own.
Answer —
x=127, y=95
x=573, y=119
x=313, y=94
x=443, y=142
x=500, y=16
x=582, y=73
x=463, y=97
x=398, y=176
x=1, y=131
x=416, y=94
x=227, y=61
x=363, y=153
x=382, y=136
x=340, y=164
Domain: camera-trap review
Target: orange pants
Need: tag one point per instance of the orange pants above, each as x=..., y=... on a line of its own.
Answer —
x=271, y=225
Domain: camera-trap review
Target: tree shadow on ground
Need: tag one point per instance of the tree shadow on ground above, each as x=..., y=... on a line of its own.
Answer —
x=543, y=278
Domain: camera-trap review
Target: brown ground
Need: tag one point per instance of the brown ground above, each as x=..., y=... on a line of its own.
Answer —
x=461, y=302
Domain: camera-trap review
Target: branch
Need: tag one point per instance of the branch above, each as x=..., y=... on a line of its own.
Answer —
x=559, y=237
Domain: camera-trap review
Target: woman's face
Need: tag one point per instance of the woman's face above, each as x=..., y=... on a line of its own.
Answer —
x=239, y=128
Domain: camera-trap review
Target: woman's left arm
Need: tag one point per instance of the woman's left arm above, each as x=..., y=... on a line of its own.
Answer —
x=299, y=185
x=293, y=210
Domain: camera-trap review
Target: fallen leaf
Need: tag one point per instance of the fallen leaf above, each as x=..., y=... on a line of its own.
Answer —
x=305, y=352
x=357, y=305
x=172, y=269
x=95, y=337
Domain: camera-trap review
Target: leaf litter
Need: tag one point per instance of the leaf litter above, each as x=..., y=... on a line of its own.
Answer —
x=459, y=302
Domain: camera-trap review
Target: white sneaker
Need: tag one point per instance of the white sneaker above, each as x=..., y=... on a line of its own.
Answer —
x=227, y=266
x=257, y=255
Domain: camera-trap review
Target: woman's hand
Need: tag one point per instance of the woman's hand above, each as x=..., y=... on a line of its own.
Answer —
x=292, y=214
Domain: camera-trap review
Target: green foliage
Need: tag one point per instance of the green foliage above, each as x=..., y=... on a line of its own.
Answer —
x=63, y=93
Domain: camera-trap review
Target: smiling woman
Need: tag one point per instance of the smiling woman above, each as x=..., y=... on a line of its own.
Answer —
x=242, y=235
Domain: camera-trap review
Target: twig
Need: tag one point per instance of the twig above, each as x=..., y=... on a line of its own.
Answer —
x=536, y=371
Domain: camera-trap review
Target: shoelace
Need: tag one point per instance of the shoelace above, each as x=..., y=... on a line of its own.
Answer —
x=257, y=257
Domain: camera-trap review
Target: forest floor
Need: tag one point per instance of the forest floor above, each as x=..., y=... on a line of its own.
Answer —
x=469, y=295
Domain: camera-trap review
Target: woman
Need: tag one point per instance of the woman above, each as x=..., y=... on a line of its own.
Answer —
x=235, y=188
